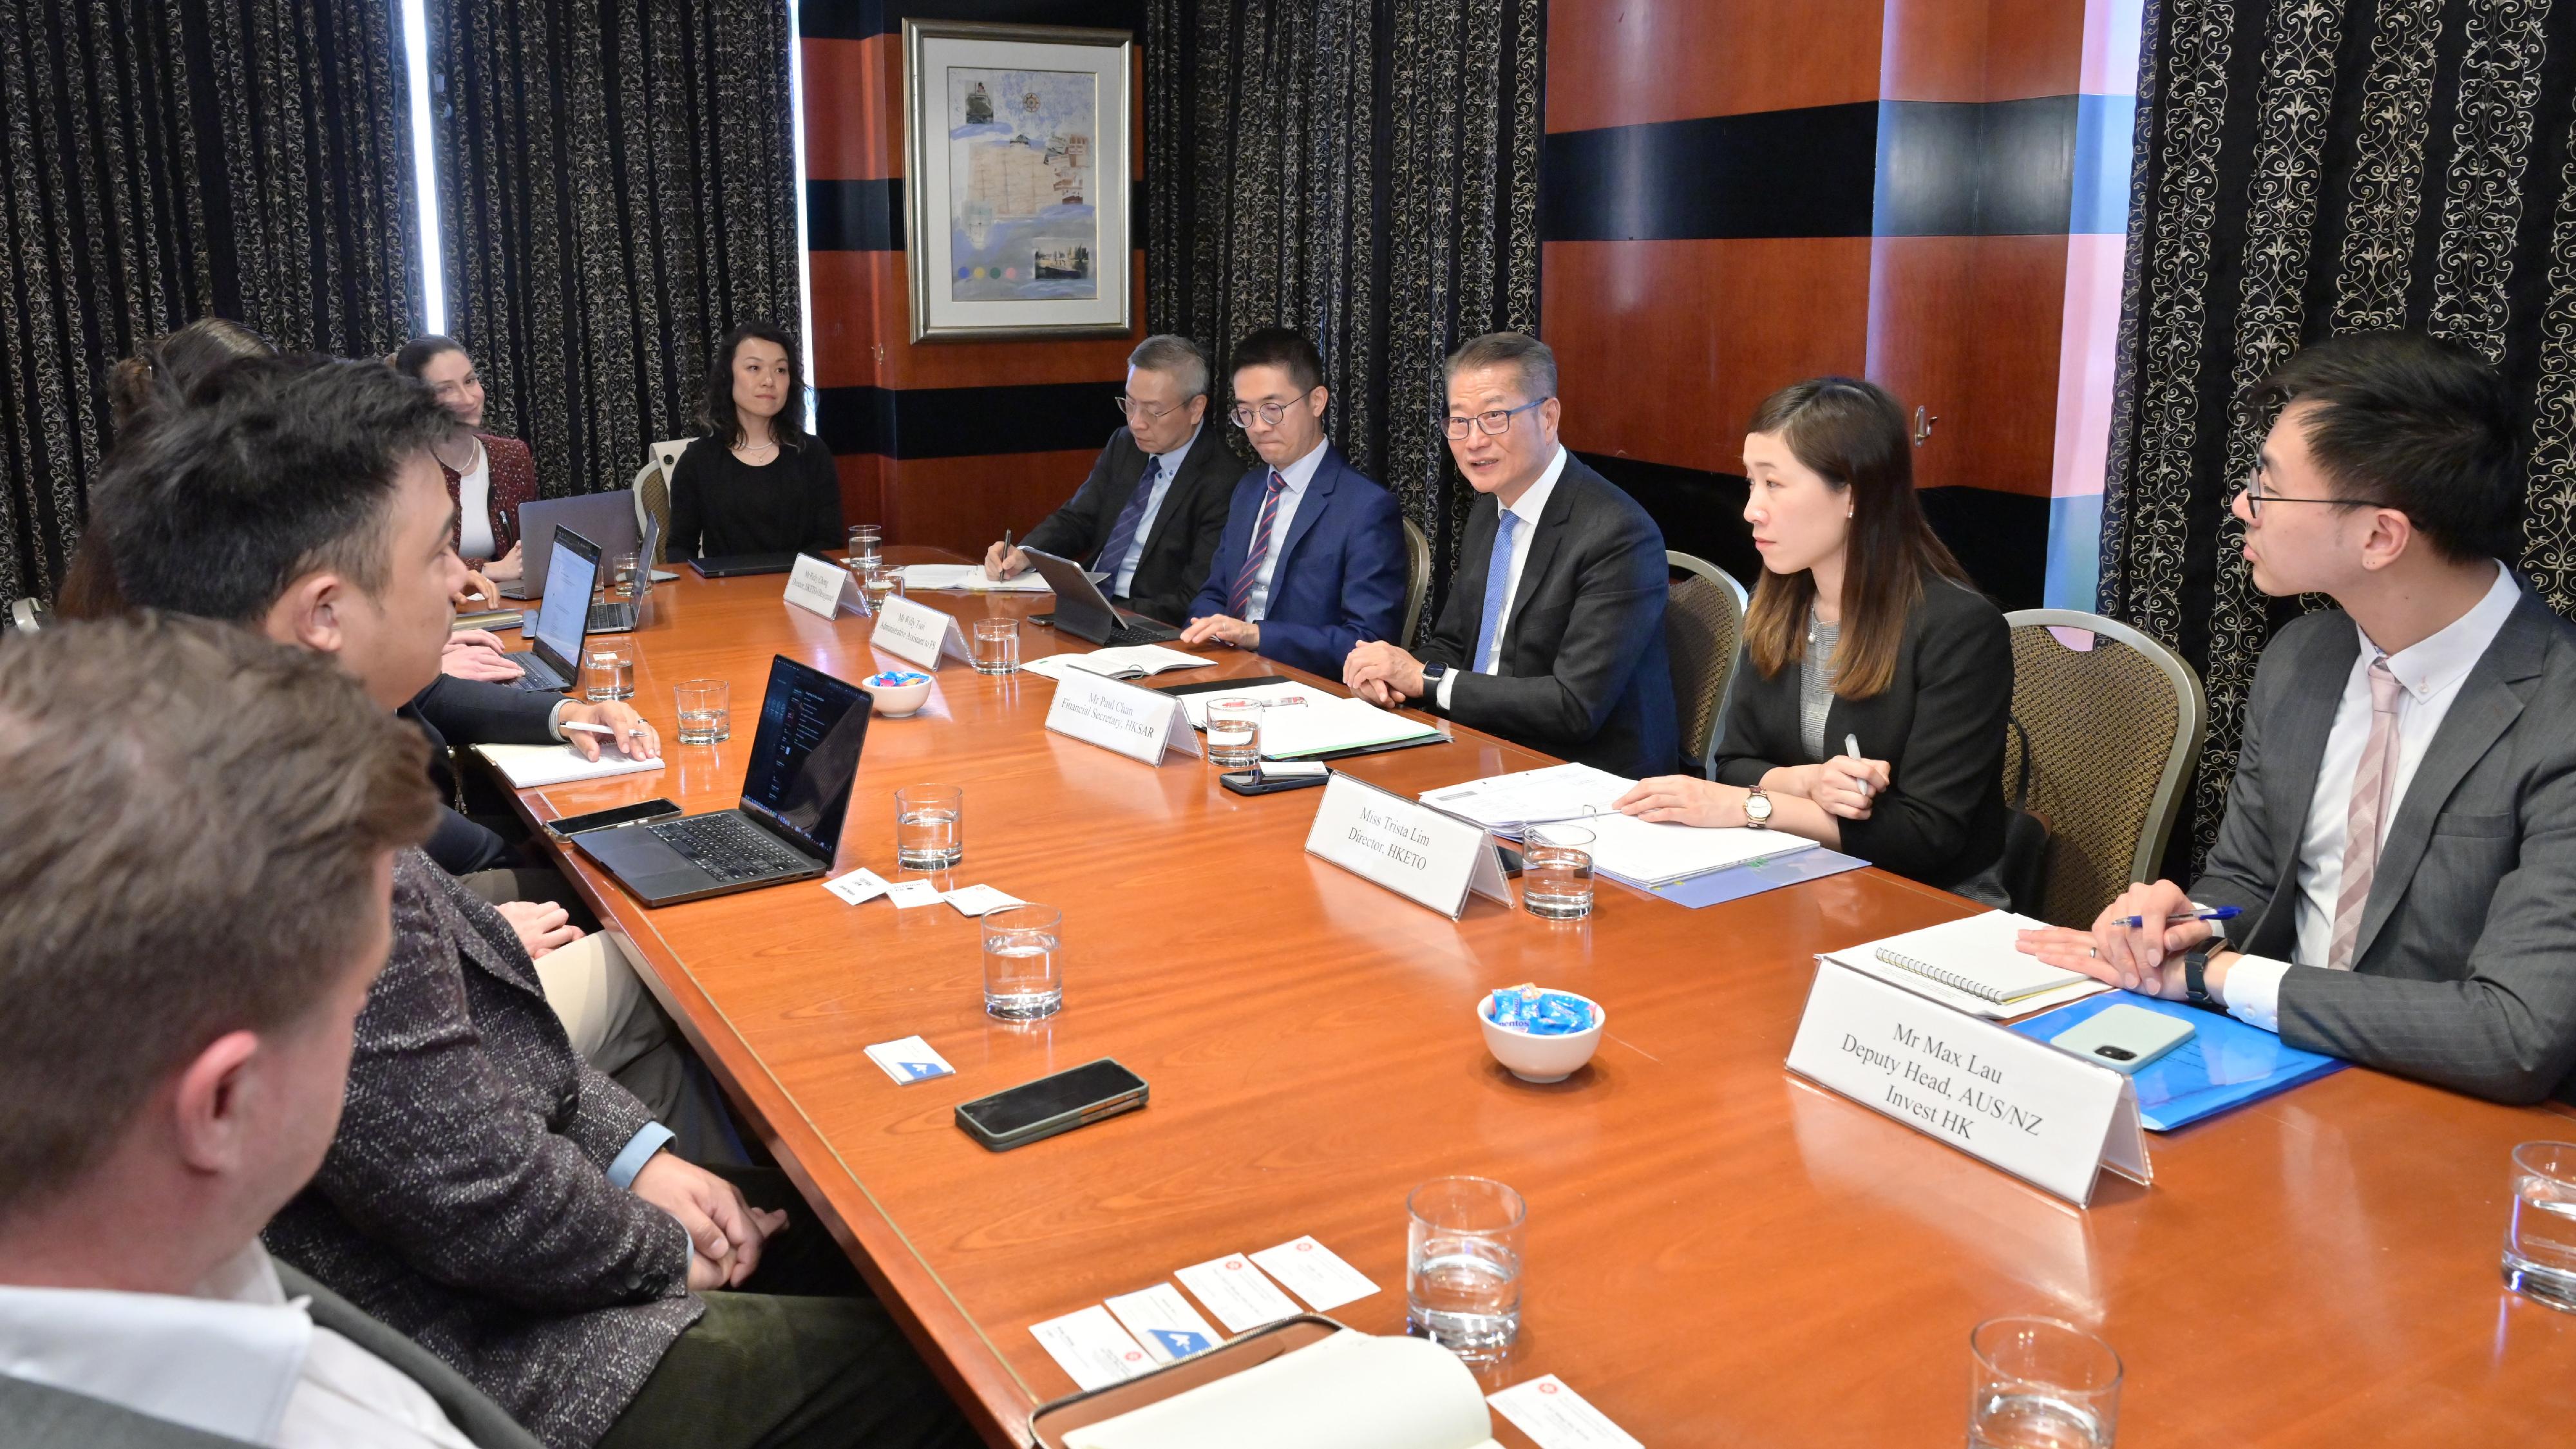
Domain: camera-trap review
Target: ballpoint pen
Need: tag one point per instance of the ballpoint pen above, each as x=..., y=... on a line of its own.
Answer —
x=1851, y=747
x=2222, y=913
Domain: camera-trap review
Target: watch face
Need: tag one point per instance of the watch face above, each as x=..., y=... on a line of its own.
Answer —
x=1757, y=807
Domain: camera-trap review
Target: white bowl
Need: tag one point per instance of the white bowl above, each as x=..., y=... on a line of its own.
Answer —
x=1541, y=1058
x=894, y=701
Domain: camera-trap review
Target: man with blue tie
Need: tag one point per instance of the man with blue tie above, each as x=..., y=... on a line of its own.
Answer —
x=1312, y=562
x=1553, y=633
x=1149, y=514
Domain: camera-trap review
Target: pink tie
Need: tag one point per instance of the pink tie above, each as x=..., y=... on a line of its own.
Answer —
x=2370, y=789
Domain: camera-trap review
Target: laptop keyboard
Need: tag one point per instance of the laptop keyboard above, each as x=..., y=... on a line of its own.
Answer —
x=535, y=674
x=728, y=847
x=1141, y=633
x=611, y=618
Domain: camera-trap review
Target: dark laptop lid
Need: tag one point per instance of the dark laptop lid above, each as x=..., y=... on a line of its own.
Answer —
x=805, y=756
x=1080, y=607
x=572, y=576
x=608, y=518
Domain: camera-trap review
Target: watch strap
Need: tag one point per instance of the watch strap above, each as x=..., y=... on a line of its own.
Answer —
x=2195, y=977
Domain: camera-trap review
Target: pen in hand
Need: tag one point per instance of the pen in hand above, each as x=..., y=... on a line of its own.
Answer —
x=1851, y=747
x=2223, y=913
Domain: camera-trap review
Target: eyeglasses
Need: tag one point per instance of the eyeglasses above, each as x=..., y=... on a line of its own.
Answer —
x=1135, y=411
x=2256, y=495
x=1270, y=412
x=1495, y=423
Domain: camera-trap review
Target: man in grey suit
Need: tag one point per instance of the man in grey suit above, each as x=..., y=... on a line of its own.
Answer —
x=197, y=836
x=2395, y=834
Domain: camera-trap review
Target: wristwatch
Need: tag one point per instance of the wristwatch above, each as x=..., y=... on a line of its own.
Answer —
x=2195, y=982
x=1431, y=676
x=1757, y=809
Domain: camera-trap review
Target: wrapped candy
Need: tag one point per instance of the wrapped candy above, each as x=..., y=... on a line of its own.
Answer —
x=1525, y=1008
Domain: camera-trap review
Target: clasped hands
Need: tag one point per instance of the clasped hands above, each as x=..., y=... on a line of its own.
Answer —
x=725, y=1231
x=2146, y=959
x=1843, y=786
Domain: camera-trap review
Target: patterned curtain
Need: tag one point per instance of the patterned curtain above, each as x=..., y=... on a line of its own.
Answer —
x=2311, y=167
x=161, y=160
x=616, y=189
x=1366, y=171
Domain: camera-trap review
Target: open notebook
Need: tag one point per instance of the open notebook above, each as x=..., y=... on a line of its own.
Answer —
x=1971, y=963
x=1135, y=661
x=1349, y=1391
x=530, y=767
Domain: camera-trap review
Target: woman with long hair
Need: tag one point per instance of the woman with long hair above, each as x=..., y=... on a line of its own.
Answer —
x=757, y=482
x=1870, y=701
x=489, y=476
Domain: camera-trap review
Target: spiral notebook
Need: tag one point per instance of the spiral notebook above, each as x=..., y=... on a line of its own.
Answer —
x=1976, y=954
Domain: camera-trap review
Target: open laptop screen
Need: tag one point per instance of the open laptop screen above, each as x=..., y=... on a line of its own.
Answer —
x=805, y=758
x=572, y=568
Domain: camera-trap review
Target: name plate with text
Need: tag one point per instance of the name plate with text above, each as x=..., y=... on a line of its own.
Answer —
x=919, y=633
x=1406, y=846
x=2043, y=1115
x=1142, y=724
x=825, y=588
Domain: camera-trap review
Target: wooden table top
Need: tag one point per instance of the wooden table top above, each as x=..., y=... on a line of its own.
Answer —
x=1717, y=1252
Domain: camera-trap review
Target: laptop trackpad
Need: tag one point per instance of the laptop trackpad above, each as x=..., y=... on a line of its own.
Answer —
x=641, y=861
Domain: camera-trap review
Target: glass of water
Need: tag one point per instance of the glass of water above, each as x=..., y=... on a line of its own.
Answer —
x=1234, y=733
x=2038, y=1383
x=607, y=670
x=1023, y=962
x=1556, y=872
x=882, y=583
x=618, y=576
x=1462, y=1265
x=867, y=548
x=2540, y=1238
x=929, y=826
x=706, y=711
x=997, y=646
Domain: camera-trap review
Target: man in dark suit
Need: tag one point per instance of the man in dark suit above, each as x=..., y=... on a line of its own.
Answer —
x=1149, y=514
x=197, y=836
x=2396, y=831
x=1553, y=633
x=1312, y=561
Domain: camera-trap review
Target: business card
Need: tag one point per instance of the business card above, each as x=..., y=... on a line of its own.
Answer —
x=909, y=893
x=858, y=887
x=910, y=1060
x=1557, y=1417
x=1315, y=1273
x=1164, y=1322
x=975, y=900
x=1236, y=1293
x=1092, y=1347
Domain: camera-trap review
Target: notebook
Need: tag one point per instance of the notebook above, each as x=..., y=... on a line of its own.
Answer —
x=530, y=767
x=1135, y=661
x=1976, y=954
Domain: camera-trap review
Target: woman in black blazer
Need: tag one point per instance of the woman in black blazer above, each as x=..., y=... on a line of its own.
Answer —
x=1869, y=703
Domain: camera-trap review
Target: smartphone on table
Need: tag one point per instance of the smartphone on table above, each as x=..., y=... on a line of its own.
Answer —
x=572, y=825
x=1051, y=1105
x=2124, y=1038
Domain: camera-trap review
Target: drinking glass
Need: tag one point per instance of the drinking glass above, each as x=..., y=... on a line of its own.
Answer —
x=2037, y=1383
x=618, y=577
x=1234, y=733
x=1556, y=872
x=2540, y=1237
x=929, y=826
x=997, y=646
x=607, y=670
x=1462, y=1265
x=882, y=583
x=706, y=710
x=867, y=547
x=1023, y=962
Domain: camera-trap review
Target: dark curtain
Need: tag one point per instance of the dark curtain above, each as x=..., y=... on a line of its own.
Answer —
x=1366, y=171
x=617, y=188
x=2311, y=167
x=162, y=160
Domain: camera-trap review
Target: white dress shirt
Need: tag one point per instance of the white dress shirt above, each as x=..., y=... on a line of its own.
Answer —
x=1166, y=465
x=2430, y=673
x=1297, y=475
x=474, y=506
x=1532, y=504
x=233, y=1358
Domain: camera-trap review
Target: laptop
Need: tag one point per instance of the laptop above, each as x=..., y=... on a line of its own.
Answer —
x=553, y=659
x=1084, y=612
x=624, y=616
x=608, y=518
x=739, y=565
x=804, y=763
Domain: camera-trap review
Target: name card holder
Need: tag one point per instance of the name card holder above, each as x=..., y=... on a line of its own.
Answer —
x=1405, y=846
x=2043, y=1115
x=1142, y=724
x=821, y=587
x=919, y=633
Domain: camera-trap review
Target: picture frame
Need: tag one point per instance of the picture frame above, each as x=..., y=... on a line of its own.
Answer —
x=1018, y=145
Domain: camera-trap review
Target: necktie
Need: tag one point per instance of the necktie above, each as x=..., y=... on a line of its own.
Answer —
x=1239, y=600
x=2371, y=783
x=1122, y=534
x=1498, y=577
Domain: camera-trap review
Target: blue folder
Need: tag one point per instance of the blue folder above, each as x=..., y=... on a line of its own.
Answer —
x=1754, y=877
x=2225, y=1065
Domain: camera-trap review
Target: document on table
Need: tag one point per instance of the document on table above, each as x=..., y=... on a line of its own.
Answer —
x=1326, y=723
x=531, y=766
x=970, y=578
x=1135, y=661
x=1635, y=852
x=1351, y=1391
x=1506, y=802
x=1864, y=958
x=1276, y=691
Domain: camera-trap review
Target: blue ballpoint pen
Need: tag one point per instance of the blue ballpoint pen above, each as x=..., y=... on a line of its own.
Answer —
x=2223, y=913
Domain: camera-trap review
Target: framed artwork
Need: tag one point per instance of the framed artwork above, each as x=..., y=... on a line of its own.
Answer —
x=1017, y=148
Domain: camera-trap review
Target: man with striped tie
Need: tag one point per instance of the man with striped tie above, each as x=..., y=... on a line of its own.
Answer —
x=2397, y=834
x=1312, y=561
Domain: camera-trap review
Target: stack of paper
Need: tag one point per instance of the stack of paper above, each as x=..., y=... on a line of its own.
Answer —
x=1624, y=848
x=1272, y=691
x=1505, y=803
x=1326, y=723
x=1135, y=661
x=531, y=766
x=971, y=579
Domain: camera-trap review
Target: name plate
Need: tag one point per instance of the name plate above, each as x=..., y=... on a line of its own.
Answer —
x=2043, y=1115
x=1405, y=846
x=1142, y=724
x=825, y=588
x=919, y=633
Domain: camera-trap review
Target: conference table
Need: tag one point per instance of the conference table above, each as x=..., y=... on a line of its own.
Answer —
x=1717, y=1251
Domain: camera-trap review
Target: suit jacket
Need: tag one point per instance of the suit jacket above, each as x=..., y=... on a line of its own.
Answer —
x=1340, y=575
x=2464, y=973
x=473, y=712
x=39, y=1416
x=1939, y=724
x=1582, y=671
x=1185, y=528
x=514, y=482
x=466, y=1201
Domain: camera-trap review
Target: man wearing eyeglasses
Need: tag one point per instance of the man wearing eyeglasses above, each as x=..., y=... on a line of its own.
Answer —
x=1149, y=514
x=1312, y=561
x=1553, y=633
x=2397, y=833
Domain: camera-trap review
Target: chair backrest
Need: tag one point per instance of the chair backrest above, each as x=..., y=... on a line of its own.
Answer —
x=1703, y=632
x=1417, y=583
x=653, y=489
x=2114, y=730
